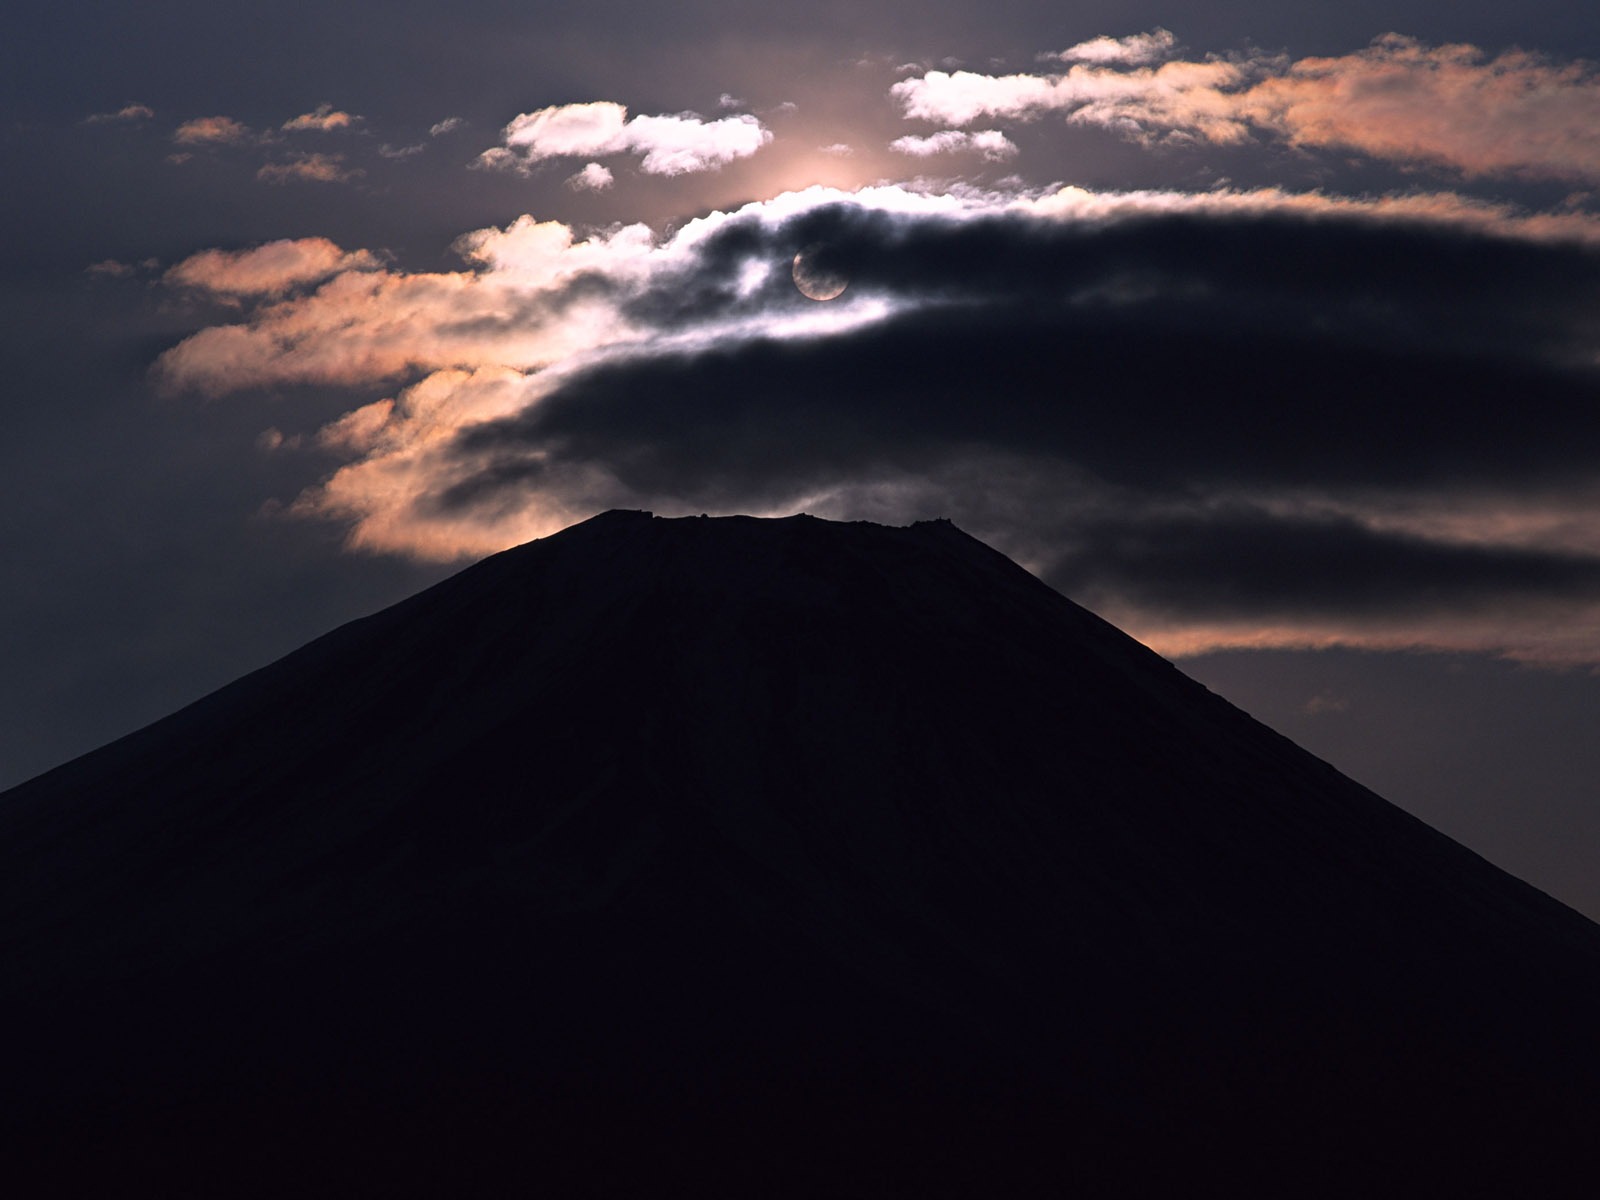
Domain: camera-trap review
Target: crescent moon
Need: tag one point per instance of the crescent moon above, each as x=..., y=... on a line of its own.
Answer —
x=817, y=283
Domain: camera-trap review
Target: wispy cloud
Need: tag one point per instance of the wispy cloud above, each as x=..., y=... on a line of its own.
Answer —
x=1136, y=50
x=666, y=145
x=128, y=112
x=1399, y=99
x=110, y=268
x=311, y=168
x=448, y=125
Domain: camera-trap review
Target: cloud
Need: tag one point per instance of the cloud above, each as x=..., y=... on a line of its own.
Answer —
x=667, y=145
x=1136, y=50
x=991, y=143
x=128, y=112
x=1187, y=96
x=531, y=296
x=313, y=168
x=1224, y=419
x=267, y=270
x=1325, y=702
x=323, y=119
x=1451, y=105
x=448, y=125
x=1398, y=100
x=206, y=131
x=593, y=178
x=111, y=268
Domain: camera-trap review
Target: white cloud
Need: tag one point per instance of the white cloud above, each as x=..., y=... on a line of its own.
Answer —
x=593, y=178
x=991, y=143
x=667, y=145
x=1134, y=50
x=448, y=125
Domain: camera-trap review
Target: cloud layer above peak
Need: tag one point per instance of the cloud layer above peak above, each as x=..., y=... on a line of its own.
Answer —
x=1376, y=425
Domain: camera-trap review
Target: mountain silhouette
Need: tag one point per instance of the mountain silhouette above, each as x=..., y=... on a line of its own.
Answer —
x=741, y=857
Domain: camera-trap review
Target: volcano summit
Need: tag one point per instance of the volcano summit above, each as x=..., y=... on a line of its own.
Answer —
x=741, y=857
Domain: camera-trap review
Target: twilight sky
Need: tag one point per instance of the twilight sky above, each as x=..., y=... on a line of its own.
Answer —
x=1270, y=331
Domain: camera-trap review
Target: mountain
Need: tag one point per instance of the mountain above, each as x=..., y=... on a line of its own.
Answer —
x=741, y=857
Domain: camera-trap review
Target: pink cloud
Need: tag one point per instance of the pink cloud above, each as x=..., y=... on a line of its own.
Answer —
x=323, y=118
x=364, y=325
x=1451, y=105
x=1398, y=99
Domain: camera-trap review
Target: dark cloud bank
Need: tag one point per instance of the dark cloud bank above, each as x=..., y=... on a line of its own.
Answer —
x=1200, y=414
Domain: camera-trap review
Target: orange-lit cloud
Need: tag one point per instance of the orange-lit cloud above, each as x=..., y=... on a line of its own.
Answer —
x=1549, y=634
x=510, y=309
x=203, y=131
x=268, y=270
x=666, y=145
x=1399, y=99
x=323, y=118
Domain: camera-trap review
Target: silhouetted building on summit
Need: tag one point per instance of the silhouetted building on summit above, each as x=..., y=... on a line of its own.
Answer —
x=771, y=858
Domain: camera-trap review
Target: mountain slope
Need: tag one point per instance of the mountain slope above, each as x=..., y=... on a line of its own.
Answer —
x=773, y=857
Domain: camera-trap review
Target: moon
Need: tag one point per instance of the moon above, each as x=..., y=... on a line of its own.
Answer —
x=818, y=283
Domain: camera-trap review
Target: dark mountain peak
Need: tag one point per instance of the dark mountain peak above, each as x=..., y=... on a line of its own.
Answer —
x=781, y=853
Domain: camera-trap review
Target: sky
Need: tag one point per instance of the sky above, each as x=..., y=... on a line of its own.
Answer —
x=1269, y=331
